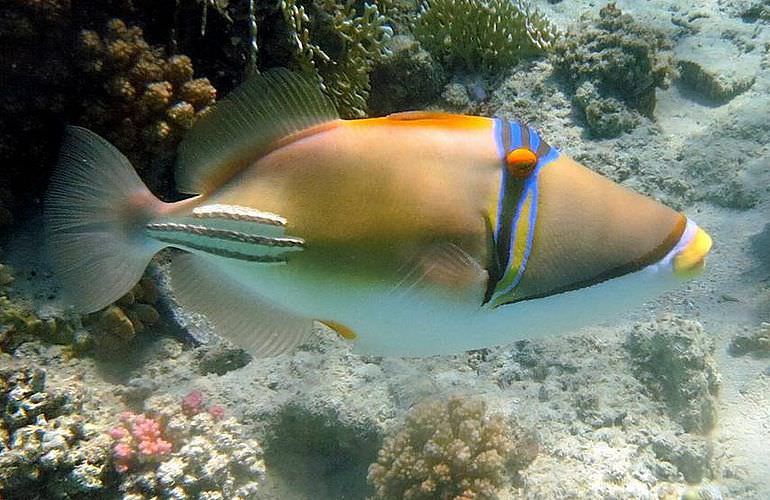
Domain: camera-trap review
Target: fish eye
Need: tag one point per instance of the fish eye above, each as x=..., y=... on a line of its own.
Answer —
x=521, y=162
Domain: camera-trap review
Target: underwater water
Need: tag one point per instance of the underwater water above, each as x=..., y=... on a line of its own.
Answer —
x=670, y=398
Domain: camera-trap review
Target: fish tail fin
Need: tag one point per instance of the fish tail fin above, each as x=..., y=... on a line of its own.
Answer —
x=95, y=212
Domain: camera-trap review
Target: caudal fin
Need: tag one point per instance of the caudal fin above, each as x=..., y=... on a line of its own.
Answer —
x=95, y=212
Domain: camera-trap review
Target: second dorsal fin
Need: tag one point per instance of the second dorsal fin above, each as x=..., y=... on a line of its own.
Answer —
x=245, y=124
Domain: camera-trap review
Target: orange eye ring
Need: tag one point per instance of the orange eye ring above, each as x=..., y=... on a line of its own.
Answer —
x=521, y=162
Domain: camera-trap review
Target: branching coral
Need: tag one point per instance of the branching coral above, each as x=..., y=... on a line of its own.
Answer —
x=622, y=61
x=482, y=35
x=341, y=42
x=138, y=438
x=450, y=450
x=140, y=100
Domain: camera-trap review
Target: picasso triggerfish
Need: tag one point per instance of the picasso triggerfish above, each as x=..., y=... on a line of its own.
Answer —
x=413, y=234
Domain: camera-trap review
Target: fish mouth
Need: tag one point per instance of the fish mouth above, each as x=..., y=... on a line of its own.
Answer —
x=691, y=259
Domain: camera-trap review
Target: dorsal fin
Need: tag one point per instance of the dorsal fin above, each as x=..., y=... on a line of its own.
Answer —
x=244, y=125
x=438, y=119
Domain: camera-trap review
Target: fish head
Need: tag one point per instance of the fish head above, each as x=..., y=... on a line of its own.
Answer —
x=561, y=227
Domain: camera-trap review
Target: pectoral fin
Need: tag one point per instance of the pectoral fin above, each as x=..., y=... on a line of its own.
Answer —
x=448, y=269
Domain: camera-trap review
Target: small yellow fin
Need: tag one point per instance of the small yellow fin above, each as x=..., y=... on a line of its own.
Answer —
x=342, y=330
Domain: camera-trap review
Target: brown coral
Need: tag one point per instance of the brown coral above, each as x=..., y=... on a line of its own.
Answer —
x=116, y=326
x=450, y=450
x=143, y=102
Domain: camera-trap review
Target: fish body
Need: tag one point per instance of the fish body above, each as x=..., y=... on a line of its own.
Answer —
x=416, y=234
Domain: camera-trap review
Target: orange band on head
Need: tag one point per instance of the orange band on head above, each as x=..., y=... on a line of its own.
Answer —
x=521, y=162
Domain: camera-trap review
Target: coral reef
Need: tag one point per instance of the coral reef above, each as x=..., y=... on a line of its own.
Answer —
x=46, y=444
x=451, y=450
x=340, y=42
x=56, y=440
x=623, y=61
x=107, y=333
x=138, y=99
x=673, y=358
x=605, y=116
x=201, y=455
x=482, y=35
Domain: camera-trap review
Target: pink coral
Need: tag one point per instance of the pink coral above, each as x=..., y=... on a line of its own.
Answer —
x=193, y=403
x=217, y=412
x=139, y=437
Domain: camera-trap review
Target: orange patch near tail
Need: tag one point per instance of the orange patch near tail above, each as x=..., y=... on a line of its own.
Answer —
x=427, y=119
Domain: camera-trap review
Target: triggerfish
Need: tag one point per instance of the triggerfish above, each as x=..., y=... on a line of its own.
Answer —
x=412, y=234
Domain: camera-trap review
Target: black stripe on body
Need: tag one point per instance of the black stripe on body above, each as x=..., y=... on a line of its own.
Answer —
x=221, y=252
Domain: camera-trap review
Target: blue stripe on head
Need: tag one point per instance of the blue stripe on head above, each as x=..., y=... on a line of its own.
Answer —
x=516, y=141
x=497, y=130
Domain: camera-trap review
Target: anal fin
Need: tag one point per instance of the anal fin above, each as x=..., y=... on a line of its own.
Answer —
x=238, y=314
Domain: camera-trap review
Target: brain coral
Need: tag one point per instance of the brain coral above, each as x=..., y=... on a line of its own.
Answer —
x=450, y=450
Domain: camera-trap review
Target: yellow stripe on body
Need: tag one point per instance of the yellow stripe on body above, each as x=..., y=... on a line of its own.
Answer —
x=522, y=230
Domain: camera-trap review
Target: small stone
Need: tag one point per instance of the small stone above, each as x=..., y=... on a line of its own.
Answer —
x=146, y=313
x=714, y=86
x=113, y=321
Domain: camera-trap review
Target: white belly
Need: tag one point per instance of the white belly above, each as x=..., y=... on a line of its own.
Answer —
x=416, y=323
